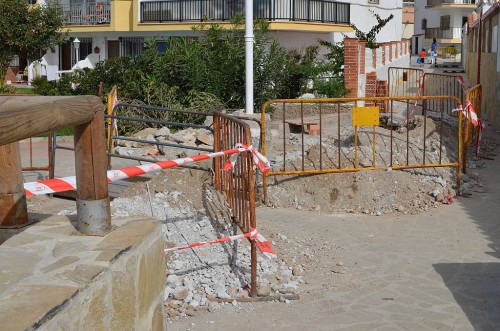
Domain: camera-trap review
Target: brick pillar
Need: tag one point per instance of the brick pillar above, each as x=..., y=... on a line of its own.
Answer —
x=354, y=64
x=371, y=87
x=390, y=52
x=382, y=91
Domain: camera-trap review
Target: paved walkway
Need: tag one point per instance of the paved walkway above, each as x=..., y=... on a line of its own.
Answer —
x=435, y=271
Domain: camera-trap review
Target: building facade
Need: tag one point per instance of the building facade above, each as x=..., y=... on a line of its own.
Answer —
x=113, y=28
x=440, y=19
x=483, y=57
x=408, y=19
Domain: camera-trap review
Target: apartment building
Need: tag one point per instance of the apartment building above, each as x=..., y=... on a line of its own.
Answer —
x=111, y=28
x=440, y=19
x=408, y=19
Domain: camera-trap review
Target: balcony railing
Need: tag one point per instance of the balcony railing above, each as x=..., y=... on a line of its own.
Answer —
x=89, y=14
x=451, y=33
x=323, y=11
x=431, y=3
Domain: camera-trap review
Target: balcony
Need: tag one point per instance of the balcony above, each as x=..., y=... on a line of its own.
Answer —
x=451, y=33
x=441, y=3
x=86, y=14
x=320, y=11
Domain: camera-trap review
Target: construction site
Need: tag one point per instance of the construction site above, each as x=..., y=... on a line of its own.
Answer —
x=362, y=213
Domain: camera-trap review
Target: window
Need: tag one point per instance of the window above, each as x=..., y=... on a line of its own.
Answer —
x=84, y=50
x=445, y=22
x=376, y=2
x=424, y=24
x=32, y=2
x=131, y=46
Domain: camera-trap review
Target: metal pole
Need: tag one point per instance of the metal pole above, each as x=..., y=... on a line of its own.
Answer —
x=249, y=38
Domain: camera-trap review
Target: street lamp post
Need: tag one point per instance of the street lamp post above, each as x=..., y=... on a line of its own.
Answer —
x=76, y=43
x=249, y=39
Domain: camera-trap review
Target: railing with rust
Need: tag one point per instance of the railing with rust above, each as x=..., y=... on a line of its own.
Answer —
x=237, y=183
x=435, y=84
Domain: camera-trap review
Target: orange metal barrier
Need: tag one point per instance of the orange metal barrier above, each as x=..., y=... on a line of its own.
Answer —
x=50, y=156
x=329, y=116
x=471, y=133
x=238, y=182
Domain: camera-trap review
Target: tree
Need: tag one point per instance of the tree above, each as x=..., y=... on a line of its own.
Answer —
x=371, y=35
x=28, y=30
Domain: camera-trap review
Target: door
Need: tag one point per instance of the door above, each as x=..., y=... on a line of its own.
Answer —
x=65, y=56
x=113, y=49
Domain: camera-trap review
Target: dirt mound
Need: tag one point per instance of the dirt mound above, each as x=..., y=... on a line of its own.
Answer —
x=368, y=191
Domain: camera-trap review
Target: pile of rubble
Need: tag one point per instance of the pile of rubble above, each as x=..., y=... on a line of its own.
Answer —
x=198, y=278
x=189, y=137
x=370, y=192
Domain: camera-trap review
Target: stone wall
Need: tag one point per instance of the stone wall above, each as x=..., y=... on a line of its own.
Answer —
x=53, y=278
x=490, y=83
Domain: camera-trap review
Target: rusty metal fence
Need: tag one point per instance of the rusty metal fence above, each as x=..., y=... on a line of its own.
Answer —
x=343, y=147
x=237, y=183
x=412, y=82
x=435, y=84
x=50, y=158
x=132, y=116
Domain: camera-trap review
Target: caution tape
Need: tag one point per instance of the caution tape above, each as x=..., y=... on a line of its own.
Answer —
x=49, y=186
x=262, y=244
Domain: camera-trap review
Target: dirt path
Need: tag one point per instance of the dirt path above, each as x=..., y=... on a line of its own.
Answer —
x=438, y=270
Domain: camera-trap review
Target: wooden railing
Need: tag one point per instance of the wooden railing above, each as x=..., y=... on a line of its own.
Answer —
x=22, y=117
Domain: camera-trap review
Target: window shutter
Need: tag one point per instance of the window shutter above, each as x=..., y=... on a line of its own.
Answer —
x=445, y=22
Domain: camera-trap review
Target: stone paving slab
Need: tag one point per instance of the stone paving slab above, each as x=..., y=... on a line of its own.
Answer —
x=49, y=263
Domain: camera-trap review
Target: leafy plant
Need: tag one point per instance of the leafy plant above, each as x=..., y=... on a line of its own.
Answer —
x=370, y=36
x=28, y=30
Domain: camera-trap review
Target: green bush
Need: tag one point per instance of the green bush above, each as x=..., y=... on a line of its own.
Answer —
x=205, y=73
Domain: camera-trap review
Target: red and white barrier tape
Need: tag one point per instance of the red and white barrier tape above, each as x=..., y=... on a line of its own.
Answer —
x=262, y=244
x=470, y=113
x=49, y=186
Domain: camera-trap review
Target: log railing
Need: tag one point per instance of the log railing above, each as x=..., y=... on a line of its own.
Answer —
x=22, y=117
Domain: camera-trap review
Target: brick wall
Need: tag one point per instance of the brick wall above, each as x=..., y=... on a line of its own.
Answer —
x=382, y=91
x=359, y=62
x=354, y=64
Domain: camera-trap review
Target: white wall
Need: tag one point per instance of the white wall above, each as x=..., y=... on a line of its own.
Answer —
x=364, y=20
x=301, y=40
x=433, y=17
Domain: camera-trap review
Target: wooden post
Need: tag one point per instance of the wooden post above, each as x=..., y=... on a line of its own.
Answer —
x=13, y=208
x=93, y=212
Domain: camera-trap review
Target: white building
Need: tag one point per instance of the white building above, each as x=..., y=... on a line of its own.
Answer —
x=440, y=19
x=113, y=28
